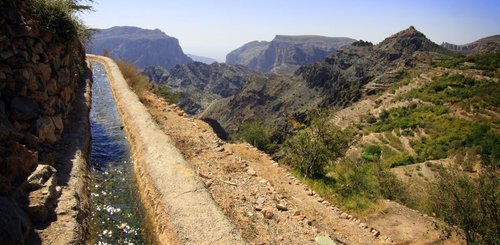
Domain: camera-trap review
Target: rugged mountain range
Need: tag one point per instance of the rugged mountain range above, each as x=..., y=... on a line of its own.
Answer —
x=481, y=46
x=341, y=79
x=201, y=84
x=140, y=46
x=284, y=54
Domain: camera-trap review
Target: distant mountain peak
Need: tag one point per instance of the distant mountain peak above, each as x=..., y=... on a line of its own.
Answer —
x=142, y=47
x=409, y=41
x=285, y=53
x=482, y=46
x=410, y=32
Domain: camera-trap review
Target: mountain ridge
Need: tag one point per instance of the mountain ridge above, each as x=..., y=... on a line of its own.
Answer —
x=285, y=53
x=200, y=84
x=480, y=46
x=142, y=47
x=339, y=80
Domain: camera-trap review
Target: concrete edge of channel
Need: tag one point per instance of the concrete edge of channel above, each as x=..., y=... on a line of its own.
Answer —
x=181, y=209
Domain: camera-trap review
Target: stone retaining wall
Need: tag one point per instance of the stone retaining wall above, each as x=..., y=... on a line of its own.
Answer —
x=40, y=73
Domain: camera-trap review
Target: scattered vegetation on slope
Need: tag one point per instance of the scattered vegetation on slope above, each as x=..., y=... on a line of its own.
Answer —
x=140, y=84
x=432, y=125
x=489, y=62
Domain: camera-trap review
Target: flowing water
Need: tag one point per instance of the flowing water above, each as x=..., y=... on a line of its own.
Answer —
x=116, y=213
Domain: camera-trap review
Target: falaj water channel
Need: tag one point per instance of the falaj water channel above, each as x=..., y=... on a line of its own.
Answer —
x=117, y=216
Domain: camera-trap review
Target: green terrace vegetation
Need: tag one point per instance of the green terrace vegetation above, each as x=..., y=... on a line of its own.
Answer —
x=468, y=93
x=315, y=152
x=140, y=84
x=446, y=133
x=488, y=62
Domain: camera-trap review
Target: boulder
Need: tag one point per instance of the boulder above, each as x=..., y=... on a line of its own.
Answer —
x=41, y=185
x=46, y=130
x=324, y=240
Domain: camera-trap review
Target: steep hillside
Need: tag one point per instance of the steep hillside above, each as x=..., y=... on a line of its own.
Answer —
x=343, y=78
x=481, y=46
x=140, y=46
x=438, y=132
x=284, y=54
x=200, y=84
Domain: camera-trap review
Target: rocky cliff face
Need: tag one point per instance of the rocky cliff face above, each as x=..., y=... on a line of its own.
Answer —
x=341, y=79
x=481, y=46
x=140, y=46
x=40, y=72
x=284, y=54
x=201, y=84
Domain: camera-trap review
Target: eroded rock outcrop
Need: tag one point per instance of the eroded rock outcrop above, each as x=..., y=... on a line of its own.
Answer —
x=201, y=84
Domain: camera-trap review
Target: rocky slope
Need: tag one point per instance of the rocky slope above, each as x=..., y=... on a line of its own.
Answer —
x=481, y=46
x=201, y=84
x=341, y=79
x=284, y=54
x=42, y=78
x=142, y=47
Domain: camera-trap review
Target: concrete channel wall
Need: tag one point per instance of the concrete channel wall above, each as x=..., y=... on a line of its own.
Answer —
x=179, y=206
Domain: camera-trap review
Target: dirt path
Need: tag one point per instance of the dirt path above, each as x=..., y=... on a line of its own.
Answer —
x=182, y=210
x=248, y=185
x=70, y=226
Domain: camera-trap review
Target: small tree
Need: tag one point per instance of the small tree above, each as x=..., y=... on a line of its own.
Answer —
x=256, y=133
x=311, y=149
x=472, y=204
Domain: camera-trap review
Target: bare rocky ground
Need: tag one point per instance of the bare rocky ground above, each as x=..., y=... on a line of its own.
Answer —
x=269, y=205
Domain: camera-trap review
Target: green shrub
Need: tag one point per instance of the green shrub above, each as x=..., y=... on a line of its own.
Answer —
x=371, y=153
x=166, y=93
x=356, y=179
x=470, y=203
x=311, y=149
x=391, y=187
x=58, y=17
x=402, y=159
x=255, y=132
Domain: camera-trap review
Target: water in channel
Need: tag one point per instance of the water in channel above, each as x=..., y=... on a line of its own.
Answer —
x=116, y=213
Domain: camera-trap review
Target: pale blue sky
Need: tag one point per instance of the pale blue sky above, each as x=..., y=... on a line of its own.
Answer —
x=213, y=28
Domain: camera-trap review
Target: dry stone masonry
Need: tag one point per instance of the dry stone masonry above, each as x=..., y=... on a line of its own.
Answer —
x=39, y=75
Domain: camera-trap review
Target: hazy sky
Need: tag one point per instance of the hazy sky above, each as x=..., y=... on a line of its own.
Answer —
x=213, y=28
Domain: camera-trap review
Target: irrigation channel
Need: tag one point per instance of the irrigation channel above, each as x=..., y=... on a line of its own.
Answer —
x=117, y=216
